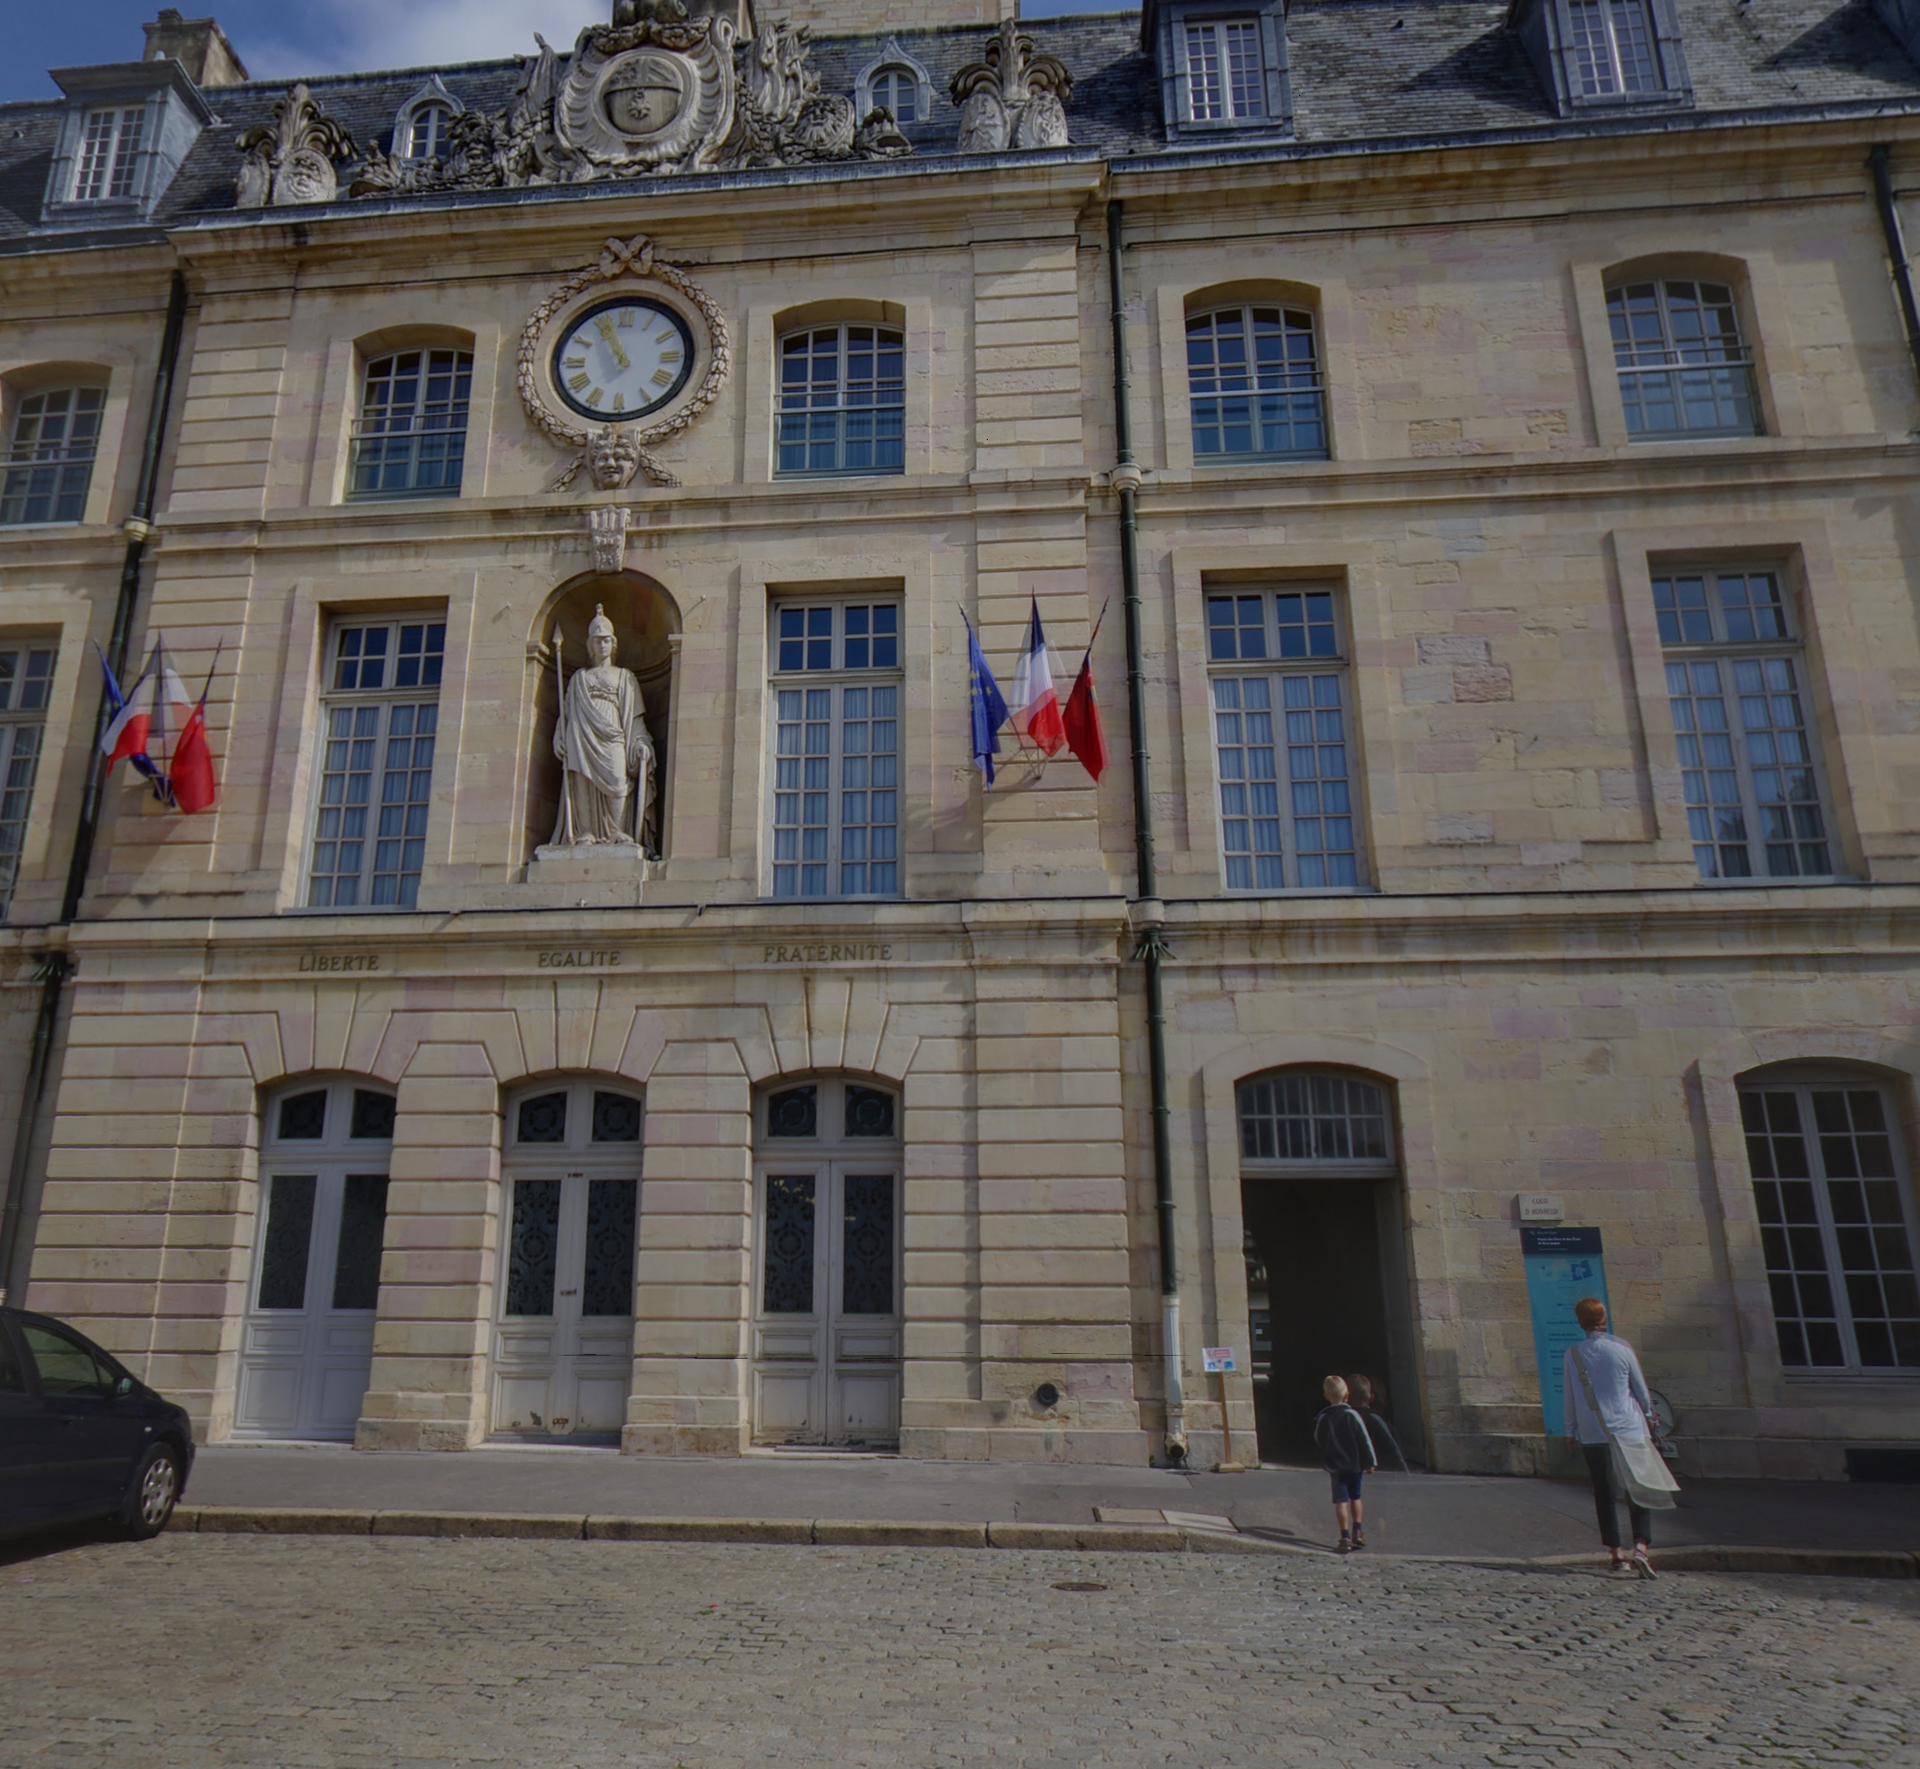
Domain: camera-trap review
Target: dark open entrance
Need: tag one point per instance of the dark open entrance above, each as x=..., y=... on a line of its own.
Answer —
x=1323, y=1264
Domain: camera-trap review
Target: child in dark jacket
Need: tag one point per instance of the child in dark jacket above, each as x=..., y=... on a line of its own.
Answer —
x=1346, y=1451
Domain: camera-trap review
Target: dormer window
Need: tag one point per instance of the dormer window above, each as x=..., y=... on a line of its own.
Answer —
x=423, y=126
x=897, y=91
x=1612, y=47
x=1221, y=68
x=127, y=127
x=109, y=153
x=895, y=82
x=1604, y=53
x=427, y=140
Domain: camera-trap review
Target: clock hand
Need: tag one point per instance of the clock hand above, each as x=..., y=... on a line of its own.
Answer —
x=604, y=323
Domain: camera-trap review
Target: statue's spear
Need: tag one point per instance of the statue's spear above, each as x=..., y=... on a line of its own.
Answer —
x=560, y=681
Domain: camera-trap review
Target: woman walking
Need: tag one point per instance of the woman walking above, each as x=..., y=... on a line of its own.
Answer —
x=1608, y=1403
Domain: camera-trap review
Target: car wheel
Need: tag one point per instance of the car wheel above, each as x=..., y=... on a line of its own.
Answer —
x=151, y=1496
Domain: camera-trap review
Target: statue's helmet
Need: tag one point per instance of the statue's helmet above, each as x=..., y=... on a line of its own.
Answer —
x=599, y=627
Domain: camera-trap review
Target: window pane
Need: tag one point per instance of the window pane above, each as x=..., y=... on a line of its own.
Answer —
x=867, y=1282
x=1684, y=369
x=49, y=459
x=19, y=765
x=283, y=1252
x=376, y=773
x=363, y=1222
x=606, y=1286
x=1254, y=377
x=787, y=1285
x=1296, y=1116
x=842, y=401
x=534, y=1249
x=411, y=434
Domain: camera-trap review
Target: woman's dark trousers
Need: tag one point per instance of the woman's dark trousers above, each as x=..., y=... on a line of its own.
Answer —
x=1600, y=1466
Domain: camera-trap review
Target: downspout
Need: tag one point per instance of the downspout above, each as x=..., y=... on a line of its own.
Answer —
x=1878, y=159
x=56, y=967
x=1148, y=911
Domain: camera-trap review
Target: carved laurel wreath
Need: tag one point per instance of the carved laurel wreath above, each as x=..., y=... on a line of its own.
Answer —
x=633, y=258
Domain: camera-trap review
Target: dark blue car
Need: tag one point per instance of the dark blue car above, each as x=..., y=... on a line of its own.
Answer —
x=80, y=1438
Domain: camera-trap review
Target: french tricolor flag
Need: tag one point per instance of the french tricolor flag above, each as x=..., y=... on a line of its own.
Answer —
x=1036, y=707
x=137, y=731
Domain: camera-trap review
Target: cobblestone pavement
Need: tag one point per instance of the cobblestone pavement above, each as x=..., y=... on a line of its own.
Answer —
x=333, y=1652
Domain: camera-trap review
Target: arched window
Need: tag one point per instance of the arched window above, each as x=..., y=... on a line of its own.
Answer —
x=427, y=128
x=1254, y=376
x=1685, y=369
x=1837, y=1222
x=411, y=434
x=50, y=449
x=563, y=1345
x=1304, y=1119
x=897, y=89
x=307, y=1344
x=842, y=401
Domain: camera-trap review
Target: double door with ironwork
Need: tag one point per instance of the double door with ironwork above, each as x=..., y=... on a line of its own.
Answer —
x=563, y=1341
x=827, y=1328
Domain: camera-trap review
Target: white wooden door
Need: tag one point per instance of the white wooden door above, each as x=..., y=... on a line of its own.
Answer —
x=307, y=1339
x=827, y=1326
x=563, y=1342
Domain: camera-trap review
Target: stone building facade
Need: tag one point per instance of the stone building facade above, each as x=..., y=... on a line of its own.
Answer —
x=1523, y=475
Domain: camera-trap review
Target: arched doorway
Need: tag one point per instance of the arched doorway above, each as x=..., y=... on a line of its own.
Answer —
x=645, y=618
x=307, y=1341
x=563, y=1333
x=826, y=1269
x=1323, y=1205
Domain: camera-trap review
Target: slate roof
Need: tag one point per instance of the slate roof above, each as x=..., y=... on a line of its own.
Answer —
x=1361, y=71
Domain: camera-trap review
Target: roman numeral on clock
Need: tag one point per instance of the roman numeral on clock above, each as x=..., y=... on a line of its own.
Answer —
x=577, y=382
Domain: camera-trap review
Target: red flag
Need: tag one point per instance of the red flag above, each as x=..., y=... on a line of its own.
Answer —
x=1081, y=721
x=192, y=768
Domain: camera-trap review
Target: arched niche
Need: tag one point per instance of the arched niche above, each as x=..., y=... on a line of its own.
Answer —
x=645, y=621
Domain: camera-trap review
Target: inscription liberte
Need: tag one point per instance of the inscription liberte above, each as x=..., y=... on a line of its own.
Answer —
x=824, y=954
x=332, y=961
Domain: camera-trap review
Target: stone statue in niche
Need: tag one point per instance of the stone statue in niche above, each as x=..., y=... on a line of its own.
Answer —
x=602, y=742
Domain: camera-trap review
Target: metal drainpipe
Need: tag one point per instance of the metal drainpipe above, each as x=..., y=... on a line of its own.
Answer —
x=1879, y=161
x=56, y=967
x=1149, y=912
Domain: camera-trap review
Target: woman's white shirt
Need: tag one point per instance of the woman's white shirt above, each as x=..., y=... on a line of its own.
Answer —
x=1618, y=1386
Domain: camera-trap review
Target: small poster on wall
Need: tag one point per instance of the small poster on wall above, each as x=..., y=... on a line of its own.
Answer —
x=1563, y=1264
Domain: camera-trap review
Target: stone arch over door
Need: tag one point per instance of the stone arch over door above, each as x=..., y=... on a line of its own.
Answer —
x=319, y=1237
x=1221, y=1227
x=647, y=626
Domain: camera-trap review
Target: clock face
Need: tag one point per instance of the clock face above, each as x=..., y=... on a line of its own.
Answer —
x=622, y=359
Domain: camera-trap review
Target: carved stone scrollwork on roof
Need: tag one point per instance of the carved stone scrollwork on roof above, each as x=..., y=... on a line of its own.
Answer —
x=1012, y=99
x=293, y=158
x=655, y=92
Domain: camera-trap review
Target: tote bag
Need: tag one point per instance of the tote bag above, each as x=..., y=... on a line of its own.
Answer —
x=1638, y=1468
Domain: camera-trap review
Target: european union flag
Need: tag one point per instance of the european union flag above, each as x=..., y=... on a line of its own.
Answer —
x=989, y=708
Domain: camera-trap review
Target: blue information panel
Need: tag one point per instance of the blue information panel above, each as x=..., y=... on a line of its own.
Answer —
x=1563, y=1264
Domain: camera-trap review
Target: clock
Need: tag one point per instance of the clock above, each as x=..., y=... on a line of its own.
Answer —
x=622, y=358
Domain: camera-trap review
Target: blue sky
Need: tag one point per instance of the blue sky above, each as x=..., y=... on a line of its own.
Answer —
x=285, y=38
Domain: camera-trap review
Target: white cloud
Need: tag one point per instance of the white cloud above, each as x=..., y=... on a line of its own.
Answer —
x=363, y=36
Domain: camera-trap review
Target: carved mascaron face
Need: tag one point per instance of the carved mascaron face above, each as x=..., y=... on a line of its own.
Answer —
x=622, y=359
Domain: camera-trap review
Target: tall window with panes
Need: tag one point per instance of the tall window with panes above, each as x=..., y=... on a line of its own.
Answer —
x=26, y=679
x=1225, y=79
x=1282, y=741
x=109, y=153
x=1685, y=369
x=410, y=438
x=1837, y=1223
x=836, y=749
x=1749, y=763
x=843, y=402
x=380, y=716
x=1253, y=374
x=49, y=461
x=1613, y=48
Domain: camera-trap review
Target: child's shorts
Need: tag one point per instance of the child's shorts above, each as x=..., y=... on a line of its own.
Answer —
x=1346, y=1484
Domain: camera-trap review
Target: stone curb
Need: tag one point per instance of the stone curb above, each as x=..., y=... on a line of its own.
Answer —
x=1856, y=1563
